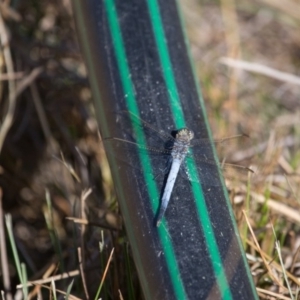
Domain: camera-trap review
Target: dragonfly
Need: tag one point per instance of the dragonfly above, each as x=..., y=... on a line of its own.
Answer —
x=175, y=150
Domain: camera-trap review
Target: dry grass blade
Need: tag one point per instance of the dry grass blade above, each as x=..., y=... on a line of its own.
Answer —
x=80, y=261
x=3, y=253
x=277, y=247
x=9, y=12
x=278, y=207
x=87, y=222
x=78, y=220
x=81, y=251
x=104, y=273
x=13, y=91
x=120, y=295
x=68, y=167
x=27, y=80
x=272, y=294
x=37, y=289
x=71, y=297
x=295, y=259
x=266, y=263
x=5, y=126
x=49, y=280
x=291, y=188
x=275, y=265
x=260, y=69
x=14, y=76
x=107, y=265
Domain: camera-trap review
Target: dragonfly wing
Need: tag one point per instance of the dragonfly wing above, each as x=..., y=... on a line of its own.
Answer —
x=140, y=131
x=139, y=142
x=202, y=172
x=220, y=141
x=209, y=169
x=125, y=148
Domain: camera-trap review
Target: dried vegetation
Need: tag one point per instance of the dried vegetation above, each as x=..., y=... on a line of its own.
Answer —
x=247, y=56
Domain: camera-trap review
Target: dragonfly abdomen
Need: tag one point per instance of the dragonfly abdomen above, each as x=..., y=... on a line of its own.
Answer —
x=176, y=163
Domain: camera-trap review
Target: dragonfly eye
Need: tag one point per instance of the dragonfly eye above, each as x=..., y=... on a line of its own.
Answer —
x=191, y=134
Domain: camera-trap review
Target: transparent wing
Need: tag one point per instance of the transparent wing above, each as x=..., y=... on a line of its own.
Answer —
x=208, y=168
x=157, y=145
x=201, y=142
x=132, y=154
x=132, y=126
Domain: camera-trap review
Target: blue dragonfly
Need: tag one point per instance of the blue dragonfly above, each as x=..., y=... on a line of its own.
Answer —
x=172, y=151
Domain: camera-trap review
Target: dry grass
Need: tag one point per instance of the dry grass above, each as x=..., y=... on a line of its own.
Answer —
x=247, y=57
x=51, y=165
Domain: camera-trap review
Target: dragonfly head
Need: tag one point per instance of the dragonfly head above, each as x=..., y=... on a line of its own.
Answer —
x=185, y=135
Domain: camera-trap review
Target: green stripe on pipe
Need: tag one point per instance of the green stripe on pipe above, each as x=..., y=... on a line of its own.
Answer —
x=132, y=107
x=167, y=70
x=179, y=121
x=209, y=132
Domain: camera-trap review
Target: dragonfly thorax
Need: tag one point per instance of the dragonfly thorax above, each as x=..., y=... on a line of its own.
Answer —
x=185, y=135
x=182, y=143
